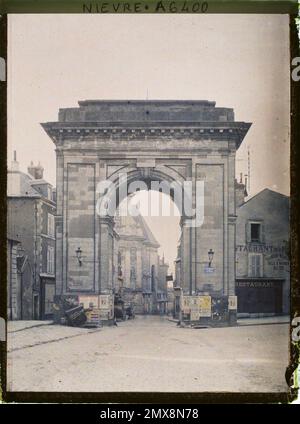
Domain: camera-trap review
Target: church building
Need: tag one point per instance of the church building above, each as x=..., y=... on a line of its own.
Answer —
x=141, y=273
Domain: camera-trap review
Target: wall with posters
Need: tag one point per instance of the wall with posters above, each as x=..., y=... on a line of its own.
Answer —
x=196, y=307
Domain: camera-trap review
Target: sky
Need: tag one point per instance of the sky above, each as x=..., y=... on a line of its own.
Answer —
x=239, y=61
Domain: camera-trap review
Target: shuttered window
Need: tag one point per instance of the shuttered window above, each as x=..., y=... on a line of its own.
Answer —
x=50, y=260
x=255, y=262
x=51, y=228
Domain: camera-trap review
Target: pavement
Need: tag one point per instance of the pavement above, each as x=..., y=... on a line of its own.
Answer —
x=284, y=319
x=149, y=353
x=27, y=336
x=13, y=326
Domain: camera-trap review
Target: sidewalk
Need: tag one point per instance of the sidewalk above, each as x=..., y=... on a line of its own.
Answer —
x=285, y=319
x=24, y=334
x=13, y=326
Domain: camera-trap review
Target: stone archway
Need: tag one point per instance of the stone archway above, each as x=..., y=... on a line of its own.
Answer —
x=146, y=178
x=172, y=140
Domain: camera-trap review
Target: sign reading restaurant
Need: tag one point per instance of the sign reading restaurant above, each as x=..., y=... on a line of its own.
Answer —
x=261, y=248
x=257, y=284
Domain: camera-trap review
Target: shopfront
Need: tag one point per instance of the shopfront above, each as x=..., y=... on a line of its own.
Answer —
x=261, y=295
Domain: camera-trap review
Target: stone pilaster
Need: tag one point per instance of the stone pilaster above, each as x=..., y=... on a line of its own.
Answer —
x=59, y=257
x=105, y=258
x=231, y=220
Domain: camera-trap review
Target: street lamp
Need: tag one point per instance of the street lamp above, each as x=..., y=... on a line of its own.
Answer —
x=210, y=257
x=79, y=255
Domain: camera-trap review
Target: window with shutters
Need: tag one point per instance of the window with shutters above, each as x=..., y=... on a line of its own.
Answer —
x=51, y=228
x=50, y=260
x=255, y=262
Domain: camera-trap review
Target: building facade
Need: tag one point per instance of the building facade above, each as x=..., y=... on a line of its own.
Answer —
x=262, y=254
x=30, y=215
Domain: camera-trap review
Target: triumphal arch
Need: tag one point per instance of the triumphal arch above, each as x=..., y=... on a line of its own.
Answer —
x=152, y=140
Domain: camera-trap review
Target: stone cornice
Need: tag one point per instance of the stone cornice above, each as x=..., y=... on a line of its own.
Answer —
x=160, y=125
x=126, y=103
x=60, y=131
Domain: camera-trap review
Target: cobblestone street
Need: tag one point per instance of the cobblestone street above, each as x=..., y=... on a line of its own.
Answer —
x=149, y=353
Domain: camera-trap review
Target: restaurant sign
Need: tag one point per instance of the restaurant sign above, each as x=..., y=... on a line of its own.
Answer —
x=262, y=248
x=257, y=284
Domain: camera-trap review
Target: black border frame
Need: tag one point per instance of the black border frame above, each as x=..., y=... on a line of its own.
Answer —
x=148, y=397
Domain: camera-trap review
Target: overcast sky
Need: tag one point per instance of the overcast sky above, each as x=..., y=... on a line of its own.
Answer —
x=239, y=61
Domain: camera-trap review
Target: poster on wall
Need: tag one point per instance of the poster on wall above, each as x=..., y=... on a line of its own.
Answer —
x=197, y=306
x=232, y=302
x=205, y=306
x=106, y=306
x=88, y=301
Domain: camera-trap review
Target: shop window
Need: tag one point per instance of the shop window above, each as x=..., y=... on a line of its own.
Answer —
x=255, y=262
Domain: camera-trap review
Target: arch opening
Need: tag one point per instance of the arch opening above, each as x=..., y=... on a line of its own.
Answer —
x=146, y=250
x=113, y=191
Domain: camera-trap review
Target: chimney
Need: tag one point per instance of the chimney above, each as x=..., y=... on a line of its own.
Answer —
x=36, y=171
x=15, y=163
